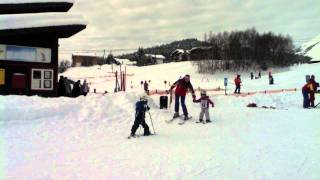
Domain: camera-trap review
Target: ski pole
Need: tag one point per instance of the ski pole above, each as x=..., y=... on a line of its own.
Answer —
x=151, y=122
x=139, y=130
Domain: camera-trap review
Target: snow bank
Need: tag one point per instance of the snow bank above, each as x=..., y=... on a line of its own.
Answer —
x=39, y=20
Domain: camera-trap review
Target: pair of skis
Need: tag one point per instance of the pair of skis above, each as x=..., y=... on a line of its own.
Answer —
x=138, y=136
x=182, y=120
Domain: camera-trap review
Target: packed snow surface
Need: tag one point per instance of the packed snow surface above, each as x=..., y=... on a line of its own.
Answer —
x=85, y=137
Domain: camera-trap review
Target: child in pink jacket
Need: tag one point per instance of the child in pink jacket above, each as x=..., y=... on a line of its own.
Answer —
x=205, y=103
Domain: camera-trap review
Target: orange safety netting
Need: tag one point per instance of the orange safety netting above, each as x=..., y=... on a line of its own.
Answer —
x=106, y=76
x=243, y=94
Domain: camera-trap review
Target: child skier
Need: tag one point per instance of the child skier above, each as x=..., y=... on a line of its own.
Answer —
x=205, y=102
x=141, y=108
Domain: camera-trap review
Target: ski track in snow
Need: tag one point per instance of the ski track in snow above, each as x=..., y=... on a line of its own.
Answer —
x=85, y=138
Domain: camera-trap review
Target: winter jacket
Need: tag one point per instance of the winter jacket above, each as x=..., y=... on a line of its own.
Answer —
x=314, y=84
x=237, y=81
x=205, y=102
x=85, y=88
x=142, y=107
x=308, y=87
x=182, y=87
x=146, y=86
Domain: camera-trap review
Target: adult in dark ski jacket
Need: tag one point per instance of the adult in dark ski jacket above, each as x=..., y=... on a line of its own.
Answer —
x=62, y=87
x=182, y=87
x=76, y=91
x=141, y=109
x=146, y=87
x=306, y=90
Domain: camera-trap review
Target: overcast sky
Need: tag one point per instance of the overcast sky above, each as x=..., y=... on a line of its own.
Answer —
x=127, y=24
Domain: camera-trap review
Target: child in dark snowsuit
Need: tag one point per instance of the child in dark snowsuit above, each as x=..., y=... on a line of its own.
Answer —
x=205, y=102
x=141, y=108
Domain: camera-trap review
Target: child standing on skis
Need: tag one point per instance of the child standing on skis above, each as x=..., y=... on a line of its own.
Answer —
x=205, y=103
x=141, y=108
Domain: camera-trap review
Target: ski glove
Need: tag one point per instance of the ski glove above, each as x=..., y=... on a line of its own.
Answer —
x=193, y=96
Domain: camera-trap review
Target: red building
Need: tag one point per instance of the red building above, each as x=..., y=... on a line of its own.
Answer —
x=29, y=48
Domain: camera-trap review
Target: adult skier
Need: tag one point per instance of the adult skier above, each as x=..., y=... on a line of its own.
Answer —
x=141, y=108
x=306, y=90
x=237, y=82
x=85, y=88
x=205, y=105
x=312, y=93
x=182, y=86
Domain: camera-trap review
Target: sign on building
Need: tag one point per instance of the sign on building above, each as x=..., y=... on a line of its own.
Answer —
x=25, y=54
x=2, y=52
x=2, y=77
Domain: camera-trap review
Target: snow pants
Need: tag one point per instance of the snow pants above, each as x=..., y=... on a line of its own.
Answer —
x=306, y=100
x=140, y=119
x=312, y=99
x=183, y=104
x=237, y=90
x=204, y=112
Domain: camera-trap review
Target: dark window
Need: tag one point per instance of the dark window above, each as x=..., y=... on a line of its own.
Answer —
x=36, y=74
x=48, y=75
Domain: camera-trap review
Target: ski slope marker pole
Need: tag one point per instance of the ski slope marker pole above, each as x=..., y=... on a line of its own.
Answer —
x=151, y=122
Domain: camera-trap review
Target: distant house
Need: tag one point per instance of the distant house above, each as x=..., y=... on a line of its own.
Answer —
x=155, y=58
x=29, y=45
x=180, y=55
x=201, y=53
x=91, y=60
x=86, y=60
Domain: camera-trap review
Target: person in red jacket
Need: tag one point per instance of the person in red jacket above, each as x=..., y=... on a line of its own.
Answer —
x=237, y=82
x=182, y=86
x=205, y=104
x=306, y=90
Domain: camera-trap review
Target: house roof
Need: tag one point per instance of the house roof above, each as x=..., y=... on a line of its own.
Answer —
x=62, y=24
x=34, y=6
x=157, y=56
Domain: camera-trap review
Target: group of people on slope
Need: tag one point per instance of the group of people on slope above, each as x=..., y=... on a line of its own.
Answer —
x=182, y=86
x=65, y=87
x=255, y=77
x=308, y=92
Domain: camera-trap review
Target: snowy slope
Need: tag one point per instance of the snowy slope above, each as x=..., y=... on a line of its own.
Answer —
x=312, y=48
x=85, y=138
x=103, y=80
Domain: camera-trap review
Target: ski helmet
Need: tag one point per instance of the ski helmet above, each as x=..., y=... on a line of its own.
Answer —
x=143, y=98
x=203, y=93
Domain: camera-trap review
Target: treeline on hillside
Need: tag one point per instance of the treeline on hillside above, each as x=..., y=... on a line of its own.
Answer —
x=240, y=50
x=164, y=50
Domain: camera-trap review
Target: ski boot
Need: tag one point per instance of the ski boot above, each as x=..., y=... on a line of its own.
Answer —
x=176, y=115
